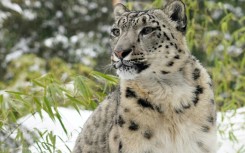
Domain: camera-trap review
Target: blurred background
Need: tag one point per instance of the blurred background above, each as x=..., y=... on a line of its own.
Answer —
x=54, y=54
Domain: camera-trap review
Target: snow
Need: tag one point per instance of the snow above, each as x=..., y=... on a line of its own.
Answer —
x=48, y=42
x=59, y=14
x=4, y=94
x=231, y=123
x=234, y=51
x=12, y=6
x=58, y=39
x=73, y=121
x=236, y=10
x=29, y=14
x=18, y=49
x=3, y=16
x=14, y=55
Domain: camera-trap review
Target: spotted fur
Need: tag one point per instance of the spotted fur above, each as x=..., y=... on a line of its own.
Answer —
x=165, y=100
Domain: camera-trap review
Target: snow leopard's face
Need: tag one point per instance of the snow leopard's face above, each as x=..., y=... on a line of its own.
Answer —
x=143, y=41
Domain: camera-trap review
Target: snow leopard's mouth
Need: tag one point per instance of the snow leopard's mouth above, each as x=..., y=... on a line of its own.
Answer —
x=137, y=65
x=123, y=63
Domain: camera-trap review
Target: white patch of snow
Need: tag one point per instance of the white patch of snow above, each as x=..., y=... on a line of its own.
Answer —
x=227, y=36
x=62, y=39
x=236, y=10
x=105, y=28
x=13, y=55
x=213, y=33
x=59, y=38
x=27, y=2
x=80, y=9
x=29, y=14
x=13, y=6
x=234, y=50
x=104, y=9
x=22, y=45
x=89, y=51
x=34, y=68
x=64, y=76
x=59, y=14
x=74, y=39
x=4, y=93
x=3, y=15
x=72, y=120
x=86, y=61
x=62, y=30
x=92, y=5
x=220, y=48
x=49, y=4
x=48, y=42
x=70, y=86
x=20, y=48
x=91, y=34
x=37, y=4
x=87, y=18
x=231, y=123
x=217, y=14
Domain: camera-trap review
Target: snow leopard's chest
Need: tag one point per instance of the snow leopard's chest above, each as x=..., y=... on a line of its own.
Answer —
x=158, y=118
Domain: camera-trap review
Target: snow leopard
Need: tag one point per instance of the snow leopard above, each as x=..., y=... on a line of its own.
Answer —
x=165, y=100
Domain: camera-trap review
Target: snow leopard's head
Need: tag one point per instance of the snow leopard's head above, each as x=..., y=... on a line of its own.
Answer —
x=146, y=41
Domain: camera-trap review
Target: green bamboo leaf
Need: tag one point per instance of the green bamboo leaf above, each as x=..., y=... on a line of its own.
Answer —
x=16, y=92
x=64, y=144
x=12, y=117
x=1, y=99
x=39, y=83
x=47, y=146
x=241, y=149
x=83, y=88
x=37, y=101
x=48, y=108
x=75, y=102
x=18, y=98
x=74, y=99
x=129, y=5
x=242, y=65
x=238, y=32
x=224, y=26
x=232, y=137
x=52, y=139
x=157, y=3
x=39, y=106
x=39, y=147
x=57, y=114
x=55, y=93
x=105, y=77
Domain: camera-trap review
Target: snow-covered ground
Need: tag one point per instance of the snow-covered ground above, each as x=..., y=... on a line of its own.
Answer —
x=73, y=121
x=228, y=122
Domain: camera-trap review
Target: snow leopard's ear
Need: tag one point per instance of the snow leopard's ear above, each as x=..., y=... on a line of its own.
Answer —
x=119, y=9
x=176, y=11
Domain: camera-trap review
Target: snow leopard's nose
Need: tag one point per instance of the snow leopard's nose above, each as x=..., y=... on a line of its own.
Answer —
x=122, y=53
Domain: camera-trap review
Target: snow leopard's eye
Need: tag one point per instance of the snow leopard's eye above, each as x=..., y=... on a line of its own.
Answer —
x=115, y=32
x=147, y=30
